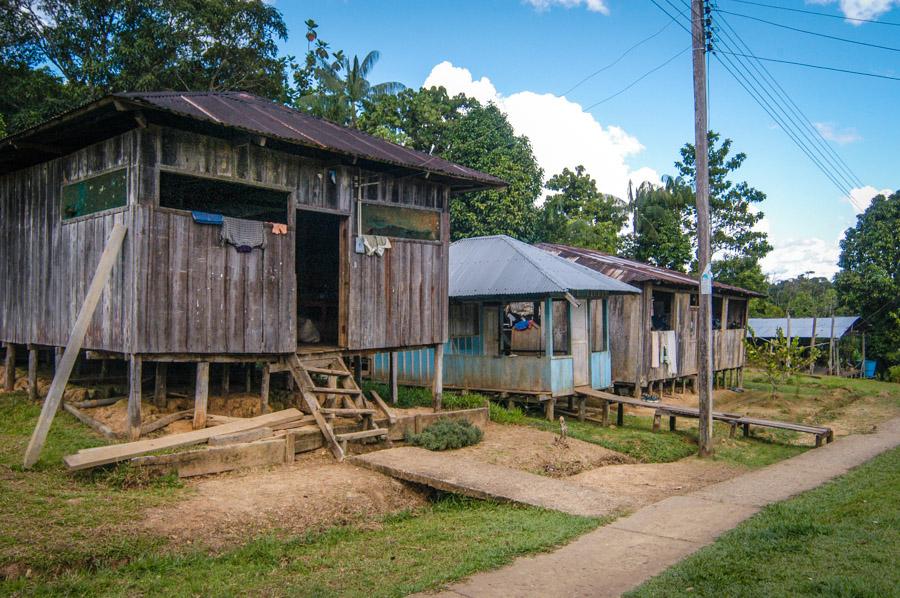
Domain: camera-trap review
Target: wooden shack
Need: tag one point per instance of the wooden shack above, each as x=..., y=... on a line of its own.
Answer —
x=654, y=335
x=344, y=233
x=522, y=322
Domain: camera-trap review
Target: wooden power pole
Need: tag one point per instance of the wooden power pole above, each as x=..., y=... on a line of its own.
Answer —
x=701, y=157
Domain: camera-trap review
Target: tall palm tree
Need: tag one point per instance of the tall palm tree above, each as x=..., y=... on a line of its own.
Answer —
x=344, y=86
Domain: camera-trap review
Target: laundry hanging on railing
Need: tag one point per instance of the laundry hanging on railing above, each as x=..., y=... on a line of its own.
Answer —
x=278, y=228
x=245, y=235
x=376, y=244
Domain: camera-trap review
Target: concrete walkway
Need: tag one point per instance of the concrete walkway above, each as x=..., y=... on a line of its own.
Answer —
x=622, y=555
x=453, y=473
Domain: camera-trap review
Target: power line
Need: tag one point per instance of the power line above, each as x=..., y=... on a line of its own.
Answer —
x=617, y=60
x=818, y=138
x=807, y=31
x=813, y=66
x=638, y=80
x=784, y=123
x=819, y=14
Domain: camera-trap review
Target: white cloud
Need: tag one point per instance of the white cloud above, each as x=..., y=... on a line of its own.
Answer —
x=562, y=134
x=841, y=136
x=592, y=5
x=797, y=256
x=861, y=9
x=862, y=197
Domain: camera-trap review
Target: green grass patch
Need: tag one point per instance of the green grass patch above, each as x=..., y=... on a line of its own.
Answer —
x=416, y=396
x=841, y=539
x=447, y=434
x=409, y=552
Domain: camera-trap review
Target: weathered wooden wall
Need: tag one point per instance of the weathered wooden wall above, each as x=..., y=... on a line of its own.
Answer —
x=625, y=338
x=46, y=265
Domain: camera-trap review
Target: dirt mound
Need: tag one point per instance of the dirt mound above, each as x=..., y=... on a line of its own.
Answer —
x=535, y=451
x=313, y=493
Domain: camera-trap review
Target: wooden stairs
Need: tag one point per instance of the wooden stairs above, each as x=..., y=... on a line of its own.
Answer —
x=329, y=391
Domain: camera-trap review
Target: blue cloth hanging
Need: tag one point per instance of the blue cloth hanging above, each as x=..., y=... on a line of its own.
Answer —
x=207, y=218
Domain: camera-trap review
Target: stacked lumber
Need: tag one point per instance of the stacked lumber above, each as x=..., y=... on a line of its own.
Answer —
x=250, y=442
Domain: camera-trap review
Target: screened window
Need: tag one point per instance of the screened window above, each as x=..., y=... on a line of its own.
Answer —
x=95, y=194
x=391, y=221
x=598, y=325
x=236, y=200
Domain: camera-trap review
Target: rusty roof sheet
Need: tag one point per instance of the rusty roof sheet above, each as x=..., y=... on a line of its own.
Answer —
x=500, y=266
x=632, y=271
x=253, y=114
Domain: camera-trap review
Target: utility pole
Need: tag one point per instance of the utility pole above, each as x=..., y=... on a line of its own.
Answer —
x=701, y=158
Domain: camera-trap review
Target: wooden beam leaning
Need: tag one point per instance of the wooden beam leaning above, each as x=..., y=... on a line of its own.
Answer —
x=76, y=338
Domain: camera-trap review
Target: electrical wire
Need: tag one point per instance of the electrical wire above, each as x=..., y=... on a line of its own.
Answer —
x=819, y=14
x=617, y=60
x=815, y=66
x=807, y=31
x=638, y=80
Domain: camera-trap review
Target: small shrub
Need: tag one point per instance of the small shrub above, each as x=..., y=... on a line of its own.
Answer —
x=502, y=415
x=893, y=374
x=446, y=434
x=470, y=400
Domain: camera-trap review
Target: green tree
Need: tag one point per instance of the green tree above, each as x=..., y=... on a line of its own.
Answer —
x=67, y=52
x=660, y=234
x=779, y=357
x=474, y=135
x=805, y=296
x=869, y=280
x=579, y=215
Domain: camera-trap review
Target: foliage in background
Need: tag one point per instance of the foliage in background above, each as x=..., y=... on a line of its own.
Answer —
x=779, y=357
x=803, y=297
x=660, y=231
x=447, y=434
x=579, y=215
x=58, y=54
x=869, y=280
x=893, y=374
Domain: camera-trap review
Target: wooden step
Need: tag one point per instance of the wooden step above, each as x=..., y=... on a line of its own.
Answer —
x=361, y=434
x=336, y=411
x=336, y=391
x=327, y=372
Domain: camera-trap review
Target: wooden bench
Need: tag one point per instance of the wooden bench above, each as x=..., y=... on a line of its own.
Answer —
x=821, y=433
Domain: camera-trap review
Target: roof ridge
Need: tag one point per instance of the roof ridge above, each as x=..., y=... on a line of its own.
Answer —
x=524, y=254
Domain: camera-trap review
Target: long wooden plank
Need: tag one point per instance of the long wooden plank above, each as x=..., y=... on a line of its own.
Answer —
x=218, y=459
x=76, y=338
x=89, y=421
x=119, y=452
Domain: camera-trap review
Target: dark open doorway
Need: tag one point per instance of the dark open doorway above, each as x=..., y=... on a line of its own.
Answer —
x=318, y=266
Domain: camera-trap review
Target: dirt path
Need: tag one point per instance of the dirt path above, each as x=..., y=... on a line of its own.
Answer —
x=312, y=493
x=622, y=555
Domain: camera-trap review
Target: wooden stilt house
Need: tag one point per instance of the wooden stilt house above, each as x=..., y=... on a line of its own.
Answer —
x=654, y=335
x=522, y=321
x=247, y=225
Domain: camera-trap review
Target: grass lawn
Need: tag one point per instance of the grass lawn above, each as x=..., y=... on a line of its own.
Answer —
x=70, y=534
x=838, y=540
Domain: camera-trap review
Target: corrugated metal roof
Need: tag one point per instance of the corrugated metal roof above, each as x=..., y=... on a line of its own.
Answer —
x=631, y=271
x=500, y=266
x=801, y=327
x=253, y=114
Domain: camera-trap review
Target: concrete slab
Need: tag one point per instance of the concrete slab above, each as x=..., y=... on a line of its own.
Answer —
x=449, y=472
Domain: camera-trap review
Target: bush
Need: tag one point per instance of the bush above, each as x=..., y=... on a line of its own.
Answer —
x=446, y=434
x=502, y=415
x=893, y=374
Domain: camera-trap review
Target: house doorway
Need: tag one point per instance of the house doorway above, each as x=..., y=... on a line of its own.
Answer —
x=319, y=265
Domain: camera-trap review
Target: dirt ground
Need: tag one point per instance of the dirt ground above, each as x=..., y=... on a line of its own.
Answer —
x=311, y=494
x=645, y=483
x=535, y=451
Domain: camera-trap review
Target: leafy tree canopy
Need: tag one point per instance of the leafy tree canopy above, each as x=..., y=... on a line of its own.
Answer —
x=869, y=280
x=59, y=53
x=660, y=234
x=579, y=215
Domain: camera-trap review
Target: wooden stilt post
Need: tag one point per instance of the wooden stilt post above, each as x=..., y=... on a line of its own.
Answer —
x=620, y=415
x=57, y=358
x=9, y=379
x=76, y=338
x=357, y=369
x=104, y=369
x=160, y=386
x=812, y=347
x=604, y=413
x=831, y=347
x=134, y=397
x=226, y=379
x=395, y=391
x=32, y=373
x=582, y=408
x=437, y=385
x=201, y=395
x=264, y=388
x=549, y=408
x=248, y=378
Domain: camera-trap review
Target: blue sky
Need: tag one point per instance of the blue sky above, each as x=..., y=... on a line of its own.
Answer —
x=526, y=54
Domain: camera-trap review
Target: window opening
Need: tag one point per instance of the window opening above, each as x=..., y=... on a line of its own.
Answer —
x=95, y=194
x=736, y=314
x=318, y=263
x=391, y=221
x=520, y=329
x=235, y=200
x=598, y=325
x=717, y=313
x=661, y=314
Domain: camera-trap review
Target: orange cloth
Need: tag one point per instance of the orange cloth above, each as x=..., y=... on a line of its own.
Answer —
x=279, y=229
